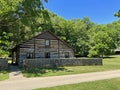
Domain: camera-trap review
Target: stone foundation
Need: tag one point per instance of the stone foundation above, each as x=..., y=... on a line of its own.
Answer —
x=3, y=64
x=49, y=63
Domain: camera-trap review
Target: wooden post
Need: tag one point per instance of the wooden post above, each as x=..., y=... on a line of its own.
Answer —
x=12, y=56
x=34, y=48
x=58, y=49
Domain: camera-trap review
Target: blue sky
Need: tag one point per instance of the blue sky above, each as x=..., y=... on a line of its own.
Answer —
x=98, y=11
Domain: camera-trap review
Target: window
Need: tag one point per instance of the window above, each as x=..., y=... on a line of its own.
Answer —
x=47, y=55
x=47, y=43
x=29, y=55
x=66, y=54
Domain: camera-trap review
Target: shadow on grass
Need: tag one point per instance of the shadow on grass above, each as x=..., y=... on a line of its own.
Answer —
x=35, y=72
x=4, y=71
x=109, y=57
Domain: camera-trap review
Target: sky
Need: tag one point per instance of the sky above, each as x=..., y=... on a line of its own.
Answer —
x=98, y=11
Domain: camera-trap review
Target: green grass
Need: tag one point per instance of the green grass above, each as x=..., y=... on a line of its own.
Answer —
x=111, y=84
x=111, y=63
x=4, y=75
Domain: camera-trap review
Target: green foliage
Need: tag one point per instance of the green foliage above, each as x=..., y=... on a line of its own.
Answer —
x=18, y=22
x=117, y=14
x=9, y=5
x=5, y=44
x=81, y=28
x=86, y=37
x=73, y=32
x=102, y=41
x=30, y=16
x=93, y=53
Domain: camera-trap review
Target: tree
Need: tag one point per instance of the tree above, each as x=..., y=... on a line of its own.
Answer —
x=30, y=15
x=80, y=36
x=6, y=10
x=17, y=17
x=73, y=32
x=101, y=43
x=117, y=14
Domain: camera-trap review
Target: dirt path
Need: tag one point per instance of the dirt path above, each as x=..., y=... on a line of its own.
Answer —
x=32, y=83
x=15, y=73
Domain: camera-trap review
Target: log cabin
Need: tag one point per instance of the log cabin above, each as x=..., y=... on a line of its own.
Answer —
x=44, y=45
x=117, y=51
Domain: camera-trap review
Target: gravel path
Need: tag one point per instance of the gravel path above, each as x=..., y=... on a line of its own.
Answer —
x=33, y=83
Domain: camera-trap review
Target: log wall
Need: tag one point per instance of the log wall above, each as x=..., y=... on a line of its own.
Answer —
x=57, y=49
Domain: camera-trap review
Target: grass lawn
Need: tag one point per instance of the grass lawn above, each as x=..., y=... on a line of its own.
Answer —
x=4, y=75
x=111, y=84
x=111, y=63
